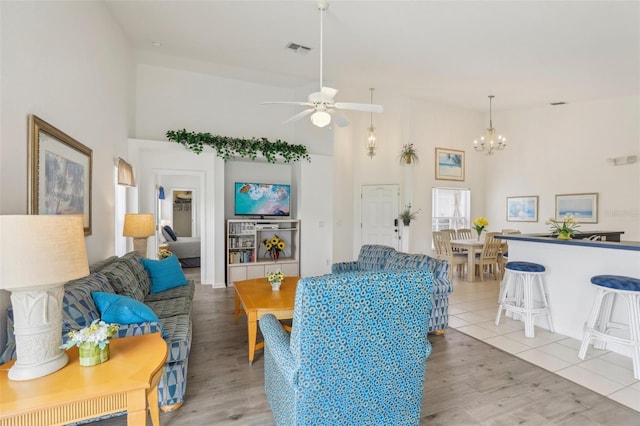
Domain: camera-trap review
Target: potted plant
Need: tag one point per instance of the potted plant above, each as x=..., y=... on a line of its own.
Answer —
x=407, y=215
x=565, y=229
x=408, y=154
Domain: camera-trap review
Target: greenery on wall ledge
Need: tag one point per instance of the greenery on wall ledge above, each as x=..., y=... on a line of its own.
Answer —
x=227, y=147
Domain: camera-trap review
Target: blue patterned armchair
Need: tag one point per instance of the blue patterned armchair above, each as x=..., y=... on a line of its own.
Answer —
x=374, y=257
x=357, y=351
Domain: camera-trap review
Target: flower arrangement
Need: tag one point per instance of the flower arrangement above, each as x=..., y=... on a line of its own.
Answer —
x=277, y=276
x=565, y=229
x=408, y=154
x=164, y=252
x=98, y=334
x=407, y=215
x=274, y=246
x=479, y=223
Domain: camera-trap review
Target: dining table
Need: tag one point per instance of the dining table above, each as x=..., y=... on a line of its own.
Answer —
x=471, y=247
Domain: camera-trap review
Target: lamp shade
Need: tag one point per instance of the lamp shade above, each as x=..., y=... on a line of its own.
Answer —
x=41, y=250
x=138, y=225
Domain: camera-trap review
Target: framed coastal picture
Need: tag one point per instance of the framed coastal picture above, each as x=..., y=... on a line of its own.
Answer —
x=522, y=209
x=449, y=164
x=59, y=173
x=583, y=207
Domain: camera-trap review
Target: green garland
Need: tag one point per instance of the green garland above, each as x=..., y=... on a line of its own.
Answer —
x=227, y=147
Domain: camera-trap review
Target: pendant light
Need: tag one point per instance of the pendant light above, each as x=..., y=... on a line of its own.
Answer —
x=490, y=142
x=371, y=134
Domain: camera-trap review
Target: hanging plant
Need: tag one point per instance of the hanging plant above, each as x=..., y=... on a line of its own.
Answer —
x=227, y=147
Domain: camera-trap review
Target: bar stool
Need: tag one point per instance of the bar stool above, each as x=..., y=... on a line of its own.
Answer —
x=516, y=294
x=599, y=323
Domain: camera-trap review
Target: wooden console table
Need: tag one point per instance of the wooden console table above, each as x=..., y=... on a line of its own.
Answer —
x=126, y=382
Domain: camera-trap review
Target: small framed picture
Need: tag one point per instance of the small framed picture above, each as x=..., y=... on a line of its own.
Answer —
x=522, y=209
x=449, y=164
x=583, y=207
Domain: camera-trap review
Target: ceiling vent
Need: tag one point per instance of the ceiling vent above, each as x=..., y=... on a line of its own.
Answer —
x=298, y=48
x=557, y=103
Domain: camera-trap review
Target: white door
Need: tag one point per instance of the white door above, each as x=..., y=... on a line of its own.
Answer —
x=379, y=215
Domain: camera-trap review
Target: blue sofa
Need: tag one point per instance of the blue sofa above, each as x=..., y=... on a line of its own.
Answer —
x=357, y=351
x=127, y=276
x=375, y=257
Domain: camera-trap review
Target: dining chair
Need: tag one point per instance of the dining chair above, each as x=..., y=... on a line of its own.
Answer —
x=442, y=243
x=464, y=234
x=450, y=232
x=489, y=255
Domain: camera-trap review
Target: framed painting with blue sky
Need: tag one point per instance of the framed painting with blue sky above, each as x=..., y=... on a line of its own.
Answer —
x=522, y=209
x=449, y=164
x=583, y=207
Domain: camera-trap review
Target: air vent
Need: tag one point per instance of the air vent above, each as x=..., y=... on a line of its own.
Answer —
x=557, y=103
x=298, y=48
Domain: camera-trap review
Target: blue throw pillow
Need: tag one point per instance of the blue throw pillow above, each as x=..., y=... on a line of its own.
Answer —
x=115, y=308
x=169, y=231
x=165, y=274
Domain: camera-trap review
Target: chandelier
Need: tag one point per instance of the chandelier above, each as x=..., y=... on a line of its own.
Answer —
x=490, y=142
x=371, y=136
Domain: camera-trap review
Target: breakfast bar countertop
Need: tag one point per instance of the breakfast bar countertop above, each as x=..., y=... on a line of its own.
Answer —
x=536, y=238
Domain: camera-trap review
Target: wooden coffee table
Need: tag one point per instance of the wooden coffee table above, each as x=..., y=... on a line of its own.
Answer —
x=128, y=381
x=256, y=298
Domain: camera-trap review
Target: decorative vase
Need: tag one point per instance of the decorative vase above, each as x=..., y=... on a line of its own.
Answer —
x=564, y=236
x=275, y=285
x=479, y=235
x=275, y=255
x=406, y=222
x=408, y=159
x=90, y=354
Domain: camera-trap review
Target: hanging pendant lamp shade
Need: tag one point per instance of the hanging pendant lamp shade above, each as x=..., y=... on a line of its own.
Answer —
x=371, y=143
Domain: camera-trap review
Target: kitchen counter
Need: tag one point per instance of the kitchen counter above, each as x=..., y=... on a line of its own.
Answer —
x=569, y=268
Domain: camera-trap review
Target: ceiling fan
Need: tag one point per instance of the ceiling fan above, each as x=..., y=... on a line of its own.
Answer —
x=322, y=105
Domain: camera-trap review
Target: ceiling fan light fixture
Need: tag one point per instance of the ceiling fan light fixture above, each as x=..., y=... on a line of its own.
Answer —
x=320, y=118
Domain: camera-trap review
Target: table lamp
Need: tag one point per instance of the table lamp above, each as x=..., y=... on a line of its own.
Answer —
x=139, y=226
x=38, y=255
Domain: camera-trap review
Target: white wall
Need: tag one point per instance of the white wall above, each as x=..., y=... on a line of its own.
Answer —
x=564, y=150
x=169, y=99
x=50, y=68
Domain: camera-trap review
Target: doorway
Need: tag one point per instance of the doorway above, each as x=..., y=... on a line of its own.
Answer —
x=183, y=213
x=379, y=215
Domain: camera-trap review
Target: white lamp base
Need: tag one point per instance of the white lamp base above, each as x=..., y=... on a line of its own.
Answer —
x=140, y=245
x=37, y=315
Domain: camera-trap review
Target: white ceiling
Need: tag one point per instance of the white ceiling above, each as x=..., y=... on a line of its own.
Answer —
x=526, y=53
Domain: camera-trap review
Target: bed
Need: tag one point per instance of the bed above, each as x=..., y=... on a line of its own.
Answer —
x=187, y=249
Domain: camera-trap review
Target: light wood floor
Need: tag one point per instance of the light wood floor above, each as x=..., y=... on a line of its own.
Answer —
x=468, y=382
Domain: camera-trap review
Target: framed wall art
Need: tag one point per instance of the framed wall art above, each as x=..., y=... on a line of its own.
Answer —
x=60, y=170
x=449, y=164
x=583, y=207
x=522, y=209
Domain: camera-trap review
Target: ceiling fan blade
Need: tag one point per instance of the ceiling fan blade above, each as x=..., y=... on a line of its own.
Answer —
x=359, y=107
x=339, y=119
x=289, y=103
x=328, y=92
x=299, y=115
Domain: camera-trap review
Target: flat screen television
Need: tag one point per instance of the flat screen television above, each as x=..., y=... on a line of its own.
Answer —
x=262, y=199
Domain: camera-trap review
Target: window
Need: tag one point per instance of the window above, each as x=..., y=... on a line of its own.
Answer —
x=451, y=208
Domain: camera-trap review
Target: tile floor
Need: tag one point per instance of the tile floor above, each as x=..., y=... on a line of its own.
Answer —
x=472, y=310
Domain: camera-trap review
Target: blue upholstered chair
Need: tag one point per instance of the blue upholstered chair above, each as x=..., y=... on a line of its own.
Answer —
x=375, y=257
x=357, y=351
